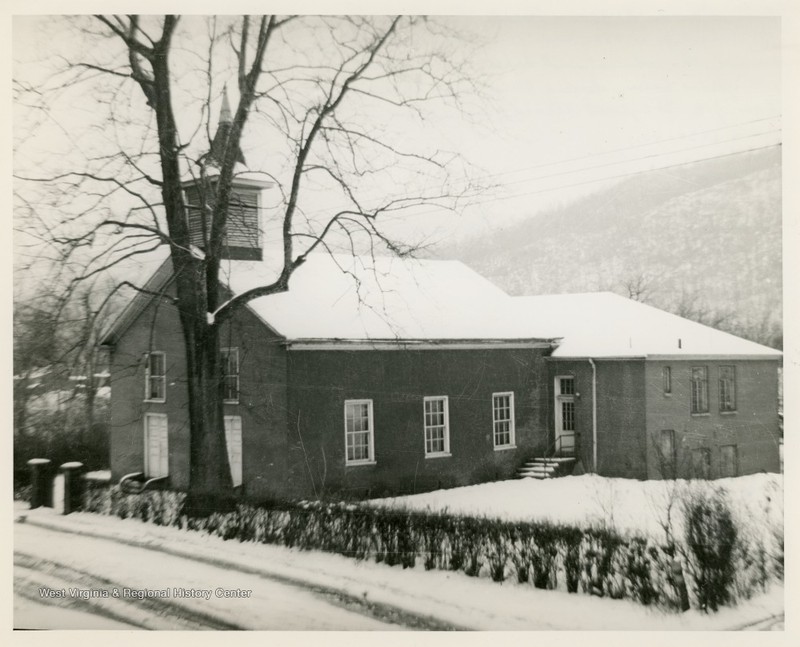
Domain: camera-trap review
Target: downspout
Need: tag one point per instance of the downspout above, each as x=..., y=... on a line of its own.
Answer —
x=594, y=416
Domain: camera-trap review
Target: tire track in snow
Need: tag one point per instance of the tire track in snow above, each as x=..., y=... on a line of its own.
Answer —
x=31, y=573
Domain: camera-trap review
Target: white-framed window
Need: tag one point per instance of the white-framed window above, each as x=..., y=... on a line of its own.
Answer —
x=436, y=414
x=727, y=388
x=699, y=389
x=155, y=377
x=233, y=440
x=230, y=375
x=359, y=432
x=503, y=419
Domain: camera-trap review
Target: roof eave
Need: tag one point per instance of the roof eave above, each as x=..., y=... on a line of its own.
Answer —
x=319, y=344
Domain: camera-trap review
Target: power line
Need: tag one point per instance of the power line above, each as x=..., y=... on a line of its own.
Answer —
x=611, y=177
x=635, y=146
x=616, y=163
x=644, y=157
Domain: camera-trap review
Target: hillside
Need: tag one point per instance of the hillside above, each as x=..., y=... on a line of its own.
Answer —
x=702, y=240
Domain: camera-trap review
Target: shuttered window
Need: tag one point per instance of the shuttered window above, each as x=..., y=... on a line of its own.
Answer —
x=242, y=225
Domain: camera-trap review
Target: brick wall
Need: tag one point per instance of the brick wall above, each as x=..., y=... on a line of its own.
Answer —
x=621, y=449
x=397, y=382
x=262, y=400
x=752, y=428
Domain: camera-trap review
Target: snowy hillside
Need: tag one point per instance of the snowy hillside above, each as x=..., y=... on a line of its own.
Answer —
x=705, y=235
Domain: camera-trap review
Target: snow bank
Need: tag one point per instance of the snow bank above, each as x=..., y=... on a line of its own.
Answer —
x=630, y=506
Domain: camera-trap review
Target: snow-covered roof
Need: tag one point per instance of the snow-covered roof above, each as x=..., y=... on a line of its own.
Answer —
x=381, y=298
x=341, y=297
x=604, y=324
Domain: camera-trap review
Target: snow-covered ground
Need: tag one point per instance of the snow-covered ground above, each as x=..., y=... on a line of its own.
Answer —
x=640, y=507
x=450, y=597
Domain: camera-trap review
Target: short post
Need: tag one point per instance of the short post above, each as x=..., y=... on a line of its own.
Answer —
x=73, y=485
x=41, y=482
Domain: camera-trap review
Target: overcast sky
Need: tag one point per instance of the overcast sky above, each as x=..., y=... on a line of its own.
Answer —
x=569, y=101
x=599, y=91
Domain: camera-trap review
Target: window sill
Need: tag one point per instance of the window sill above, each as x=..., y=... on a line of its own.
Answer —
x=504, y=448
x=728, y=413
x=359, y=463
x=701, y=415
x=439, y=455
x=230, y=402
x=156, y=401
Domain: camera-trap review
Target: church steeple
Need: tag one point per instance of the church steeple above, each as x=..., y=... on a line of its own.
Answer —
x=242, y=238
x=217, y=150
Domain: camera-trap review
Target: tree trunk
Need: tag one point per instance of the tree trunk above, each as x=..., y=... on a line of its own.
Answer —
x=210, y=482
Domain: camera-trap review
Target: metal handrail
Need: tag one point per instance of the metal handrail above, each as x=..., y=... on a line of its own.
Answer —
x=556, y=447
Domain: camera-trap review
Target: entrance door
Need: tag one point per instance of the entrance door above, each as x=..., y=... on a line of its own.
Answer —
x=156, y=452
x=565, y=416
x=233, y=439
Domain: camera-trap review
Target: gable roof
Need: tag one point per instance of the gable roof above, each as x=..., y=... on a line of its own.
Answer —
x=604, y=324
x=342, y=297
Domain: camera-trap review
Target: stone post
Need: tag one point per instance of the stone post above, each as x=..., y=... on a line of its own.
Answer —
x=41, y=482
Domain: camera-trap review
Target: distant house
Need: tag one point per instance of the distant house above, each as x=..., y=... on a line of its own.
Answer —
x=379, y=375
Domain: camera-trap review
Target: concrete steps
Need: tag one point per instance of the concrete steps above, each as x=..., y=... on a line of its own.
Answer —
x=546, y=468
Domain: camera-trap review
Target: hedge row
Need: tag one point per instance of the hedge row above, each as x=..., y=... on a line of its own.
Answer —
x=549, y=556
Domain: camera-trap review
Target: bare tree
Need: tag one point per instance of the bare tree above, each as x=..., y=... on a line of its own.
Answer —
x=319, y=96
x=638, y=286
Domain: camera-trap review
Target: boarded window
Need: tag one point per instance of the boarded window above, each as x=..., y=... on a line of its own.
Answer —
x=233, y=441
x=156, y=457
x=701, y=463
x=729, y=461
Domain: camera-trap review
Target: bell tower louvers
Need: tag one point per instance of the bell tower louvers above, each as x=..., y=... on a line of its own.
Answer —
x=243, y=232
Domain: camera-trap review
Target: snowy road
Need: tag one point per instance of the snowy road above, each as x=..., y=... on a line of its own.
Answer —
x=170, y=593
x=294, y=589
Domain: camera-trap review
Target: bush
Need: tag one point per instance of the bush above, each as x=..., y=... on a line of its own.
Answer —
x=712, y=538
x=594, y=561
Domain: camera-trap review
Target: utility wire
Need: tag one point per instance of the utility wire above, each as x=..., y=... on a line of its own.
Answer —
x=616, y=163
x=611, y=177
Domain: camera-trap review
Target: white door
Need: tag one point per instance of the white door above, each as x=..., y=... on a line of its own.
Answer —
x=156, y=451
x=565, y=415
x=233, y=439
